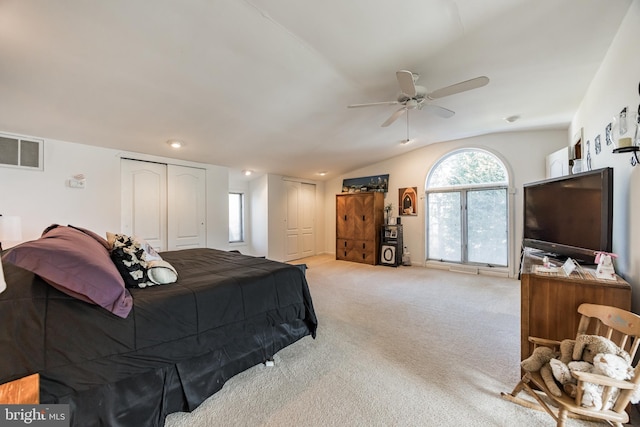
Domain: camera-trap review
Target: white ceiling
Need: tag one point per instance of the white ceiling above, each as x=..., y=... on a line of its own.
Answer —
x=264, y=85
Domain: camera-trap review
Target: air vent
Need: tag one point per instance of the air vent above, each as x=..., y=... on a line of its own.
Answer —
x=24, y=153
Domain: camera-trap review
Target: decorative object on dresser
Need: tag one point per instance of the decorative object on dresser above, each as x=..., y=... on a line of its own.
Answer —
x=359, y=217
x=379, y=183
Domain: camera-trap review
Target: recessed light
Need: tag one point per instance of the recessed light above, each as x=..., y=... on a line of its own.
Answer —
x=323, y=173
x=175, y=143
x=511, y=119
x=247, y=172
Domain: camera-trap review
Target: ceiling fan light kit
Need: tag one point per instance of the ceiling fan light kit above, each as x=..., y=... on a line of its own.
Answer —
x=415, y=97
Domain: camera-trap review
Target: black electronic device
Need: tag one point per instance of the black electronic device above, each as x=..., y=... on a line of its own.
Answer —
x=570, y=216
x=391, y=245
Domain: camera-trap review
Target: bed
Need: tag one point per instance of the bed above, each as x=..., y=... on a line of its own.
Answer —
x=176, y=345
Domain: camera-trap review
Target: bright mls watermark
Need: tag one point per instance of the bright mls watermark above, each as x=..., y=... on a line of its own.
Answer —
x=34, y=415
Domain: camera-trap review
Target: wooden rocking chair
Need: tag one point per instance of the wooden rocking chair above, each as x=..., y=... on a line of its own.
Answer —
x=620, y=326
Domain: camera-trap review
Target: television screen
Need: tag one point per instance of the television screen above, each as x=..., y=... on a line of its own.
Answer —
x=570, y=216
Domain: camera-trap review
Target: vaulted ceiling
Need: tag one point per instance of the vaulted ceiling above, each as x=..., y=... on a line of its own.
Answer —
x=264, y=85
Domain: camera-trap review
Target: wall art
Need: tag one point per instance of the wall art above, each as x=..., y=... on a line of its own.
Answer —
x=608, y=134
x=378, y=183
x=407, y=201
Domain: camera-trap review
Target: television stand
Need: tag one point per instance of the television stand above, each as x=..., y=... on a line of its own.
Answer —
x=549, y=301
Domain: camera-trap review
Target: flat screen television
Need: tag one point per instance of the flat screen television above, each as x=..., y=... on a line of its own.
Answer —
x=570, y=216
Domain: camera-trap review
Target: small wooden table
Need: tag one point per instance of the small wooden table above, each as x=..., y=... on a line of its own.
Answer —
x=25, y=390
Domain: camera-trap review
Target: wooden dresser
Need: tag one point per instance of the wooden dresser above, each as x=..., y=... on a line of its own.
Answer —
x=549, y=301
x=359, y=217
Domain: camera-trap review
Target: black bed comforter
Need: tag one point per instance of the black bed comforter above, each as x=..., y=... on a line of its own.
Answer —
x=181, y=342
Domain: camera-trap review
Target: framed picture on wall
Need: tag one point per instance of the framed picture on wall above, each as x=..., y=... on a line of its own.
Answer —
x=365, y=184
x=407, y=201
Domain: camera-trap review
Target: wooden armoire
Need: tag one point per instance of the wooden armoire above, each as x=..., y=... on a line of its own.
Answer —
x=359, y=217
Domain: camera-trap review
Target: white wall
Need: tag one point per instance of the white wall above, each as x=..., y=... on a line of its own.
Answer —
x=522, y=152
x=615, y=87
x=242, y=186
x=259, y=214
x=42, y=198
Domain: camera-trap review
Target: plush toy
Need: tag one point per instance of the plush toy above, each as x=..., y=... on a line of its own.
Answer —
x=578, y=355
x=559, y=368
x=587, y=346
x=539, y=361
x=612, y=366
x=540, y=356
x=563, y=373
x=596, y=354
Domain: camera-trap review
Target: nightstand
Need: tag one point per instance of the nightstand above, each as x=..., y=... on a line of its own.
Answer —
x=24, y=390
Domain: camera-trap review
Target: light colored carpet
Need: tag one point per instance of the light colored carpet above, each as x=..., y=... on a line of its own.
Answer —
x=405, y=346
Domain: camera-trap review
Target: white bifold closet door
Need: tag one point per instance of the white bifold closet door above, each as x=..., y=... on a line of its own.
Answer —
x=299, y=220
x=163, y=204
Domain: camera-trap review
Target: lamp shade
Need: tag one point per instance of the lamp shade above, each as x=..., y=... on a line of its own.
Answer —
x=10, y=229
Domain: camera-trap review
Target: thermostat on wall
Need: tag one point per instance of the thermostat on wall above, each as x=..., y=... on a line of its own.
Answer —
x=77, y=181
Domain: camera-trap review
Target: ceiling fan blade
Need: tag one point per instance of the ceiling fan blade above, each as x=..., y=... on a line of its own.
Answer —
x=407, y=85
x=373, y=104
x=439, y=111
x=459, y=87
x=394, y=117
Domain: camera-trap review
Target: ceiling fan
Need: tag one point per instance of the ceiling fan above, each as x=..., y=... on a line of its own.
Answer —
x=414, y=97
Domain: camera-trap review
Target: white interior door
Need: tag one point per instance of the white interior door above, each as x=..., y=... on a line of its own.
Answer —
x=300, y=207
x=164, y=204
x=308, y=193
x=144, y=201
x=186, y=194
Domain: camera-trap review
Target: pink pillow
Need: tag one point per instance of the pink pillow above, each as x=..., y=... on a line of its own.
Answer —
x=75, y=263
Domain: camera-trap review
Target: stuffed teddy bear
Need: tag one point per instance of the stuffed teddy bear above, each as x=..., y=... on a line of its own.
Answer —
x=612, y=366
x=563, y=358
x=578, y=355
x=596, y=354
x=563, y=373
x=588, y=346
x=584, y=349
x=539, y=361
x=539, y=357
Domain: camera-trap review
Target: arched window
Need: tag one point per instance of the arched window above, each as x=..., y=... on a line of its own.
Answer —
x=467, y=215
